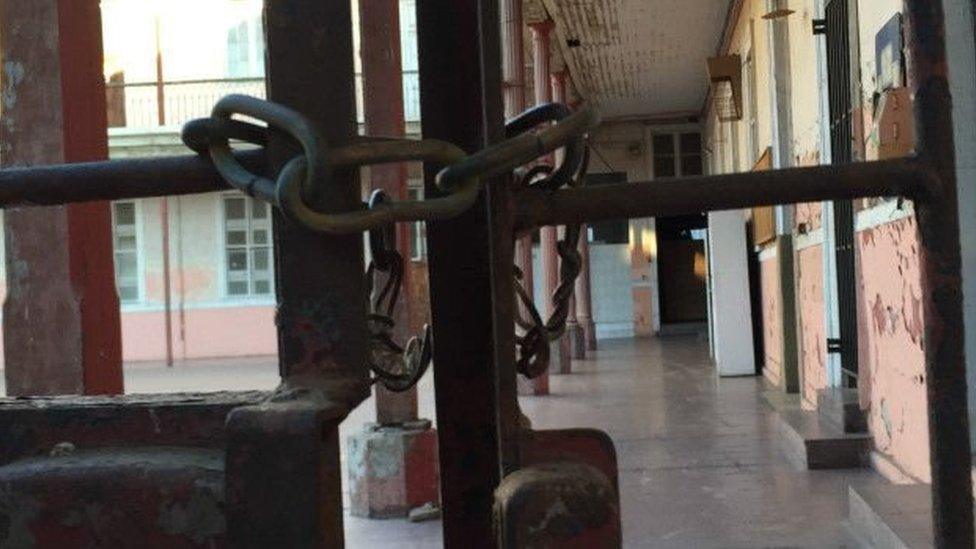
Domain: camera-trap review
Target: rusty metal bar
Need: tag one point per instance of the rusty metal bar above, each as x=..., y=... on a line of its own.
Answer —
x=937, y=212
x=687, y=195
x=61, y=313
x=461, y=103
x=283, y=467
x=117, y=179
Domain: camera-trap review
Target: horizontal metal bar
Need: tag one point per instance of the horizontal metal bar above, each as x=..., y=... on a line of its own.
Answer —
x=117, y=179
x=686, y=195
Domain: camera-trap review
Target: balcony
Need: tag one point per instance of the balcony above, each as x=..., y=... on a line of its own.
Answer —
x=142, y=108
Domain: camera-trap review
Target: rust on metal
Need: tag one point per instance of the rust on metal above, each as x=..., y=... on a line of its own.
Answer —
x=558, y=504
x=686, y=195
x=937, y=212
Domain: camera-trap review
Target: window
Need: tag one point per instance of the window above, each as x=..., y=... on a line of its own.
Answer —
x=245, y=50
x=247, y=242
x=677, y=154
x=691, y=153
x=418, y=236
x=125, y=242
x=664, y=165
x=752, y=112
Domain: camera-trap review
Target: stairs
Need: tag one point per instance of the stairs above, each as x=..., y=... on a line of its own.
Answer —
x=833, y=437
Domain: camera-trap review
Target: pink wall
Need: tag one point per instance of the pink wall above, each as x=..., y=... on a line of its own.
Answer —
x=810, y=310
x=892, y=362
x=209, y=333
x=809, y=215
x=772, y=320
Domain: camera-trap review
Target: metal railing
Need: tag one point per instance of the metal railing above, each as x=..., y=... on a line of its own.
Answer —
x=150, y=105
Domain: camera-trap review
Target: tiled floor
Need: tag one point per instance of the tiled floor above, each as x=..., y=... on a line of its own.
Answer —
x=697, y=454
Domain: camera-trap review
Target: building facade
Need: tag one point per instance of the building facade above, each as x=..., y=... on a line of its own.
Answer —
x=836, y=292
x=194, y=273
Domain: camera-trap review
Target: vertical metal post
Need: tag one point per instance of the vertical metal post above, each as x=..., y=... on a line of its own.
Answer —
x=160, y=85
x=164, y=201
x=321, y=293
x=283, y=472
x=61, y=315
x=167, y=286
x=379, y=32
x=470, y=270
x=937, y=211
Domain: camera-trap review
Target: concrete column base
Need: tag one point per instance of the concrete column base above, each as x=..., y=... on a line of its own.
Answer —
x=577, y=341
x=589, y=333
x=393, y=470
x=562, y=362
x=533, y=387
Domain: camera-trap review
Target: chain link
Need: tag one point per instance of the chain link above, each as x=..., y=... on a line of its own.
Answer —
x=397, y=368
x=302, y=180
x=309, y=173
x=534, y=355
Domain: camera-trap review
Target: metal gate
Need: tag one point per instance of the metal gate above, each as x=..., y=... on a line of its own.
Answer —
x=281, y=453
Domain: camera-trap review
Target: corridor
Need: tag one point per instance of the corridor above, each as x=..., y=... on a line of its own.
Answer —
x=699, y=465
x=698, y=456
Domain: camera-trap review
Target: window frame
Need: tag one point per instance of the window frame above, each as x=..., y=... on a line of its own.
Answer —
x=249, y=246
x=138, y=234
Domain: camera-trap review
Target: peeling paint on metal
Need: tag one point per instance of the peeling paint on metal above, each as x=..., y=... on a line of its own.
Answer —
x=200, y=518
x=16, y=513
x=556, y=511
x=13, y=76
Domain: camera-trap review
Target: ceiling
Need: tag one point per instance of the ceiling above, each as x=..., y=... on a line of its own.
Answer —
x=638, y=58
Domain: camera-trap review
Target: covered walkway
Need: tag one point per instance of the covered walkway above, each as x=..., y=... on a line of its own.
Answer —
x=698, y=456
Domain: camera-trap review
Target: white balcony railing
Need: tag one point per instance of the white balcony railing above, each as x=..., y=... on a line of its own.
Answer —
x=150, y=105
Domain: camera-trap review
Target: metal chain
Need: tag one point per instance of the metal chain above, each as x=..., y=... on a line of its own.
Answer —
x=309, y=172
x=397, y=368
x=534, y=355
x=459, y=182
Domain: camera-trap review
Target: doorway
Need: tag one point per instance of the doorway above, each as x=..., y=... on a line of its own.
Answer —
x=682, y=273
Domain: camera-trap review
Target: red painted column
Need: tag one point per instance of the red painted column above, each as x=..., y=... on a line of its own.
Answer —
x=584, y=304
x=406, y=446
x=550, y=261
x=61, y=323
x=513, y=75
x=575, y=341
x=379, y=49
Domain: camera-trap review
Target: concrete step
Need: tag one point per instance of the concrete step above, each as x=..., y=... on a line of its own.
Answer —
x=841, y=406
x=891, y=516
x=812, y=443
x=776, y=399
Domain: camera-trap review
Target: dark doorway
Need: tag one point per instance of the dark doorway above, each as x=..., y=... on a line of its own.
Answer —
x=616, y=231
x=682, y=270
x=755, y=299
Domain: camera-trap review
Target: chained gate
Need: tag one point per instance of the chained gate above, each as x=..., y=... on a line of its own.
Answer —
x=262, y=470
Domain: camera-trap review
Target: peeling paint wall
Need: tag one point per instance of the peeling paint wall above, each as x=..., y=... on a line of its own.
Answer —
x=772, y=320
x=813, y=339
x=892, y=362
x=892, y=383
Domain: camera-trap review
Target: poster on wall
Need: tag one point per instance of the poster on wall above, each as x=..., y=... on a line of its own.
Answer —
x=889, y=56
